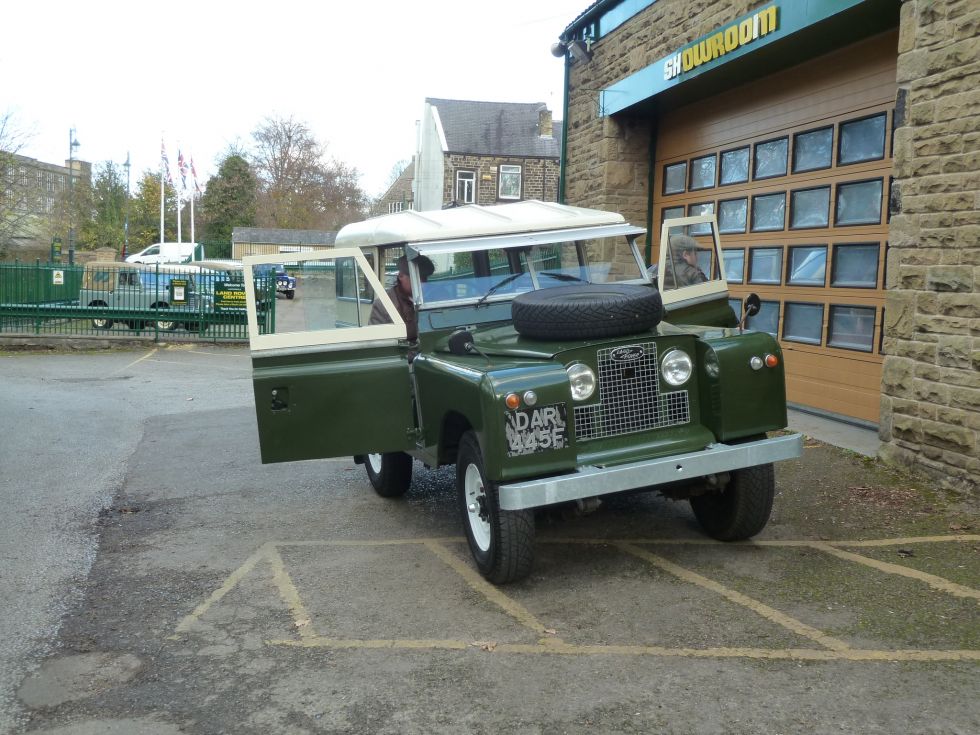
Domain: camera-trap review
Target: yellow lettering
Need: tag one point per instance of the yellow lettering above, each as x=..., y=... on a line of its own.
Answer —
x=731, y=39
x=687, y=59
x=768, y=18
x=717, y=44
x=744, y=31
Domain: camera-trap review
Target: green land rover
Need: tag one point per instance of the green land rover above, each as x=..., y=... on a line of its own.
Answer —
x=551, y=367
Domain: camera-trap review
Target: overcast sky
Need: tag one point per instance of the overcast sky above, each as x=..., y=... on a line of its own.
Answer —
x=204, y=74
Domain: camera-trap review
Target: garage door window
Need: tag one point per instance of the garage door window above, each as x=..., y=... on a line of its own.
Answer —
x=767, y=320
x=859, y=203
x=766, y=265
x=734, y=265
x=803, y=323
x=851, y=328
x=862, y=140
x=768, y=212
x=702, y=173
x=675, y=177
x=732, y=215
x=734, y=166
x=807, y=265
x=770, y=158
x=698, y=209
x=855, y=266
x=810, y=207
x=813, y=150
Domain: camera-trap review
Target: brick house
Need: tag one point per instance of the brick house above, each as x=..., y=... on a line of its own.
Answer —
x=398, y=197
x=485, y=153
x=837, y=143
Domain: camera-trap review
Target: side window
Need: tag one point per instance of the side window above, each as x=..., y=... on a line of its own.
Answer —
x=465, y=187
x=509, y=182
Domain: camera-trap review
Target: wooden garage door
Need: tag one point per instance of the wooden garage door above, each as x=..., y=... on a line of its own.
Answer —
x=797, y=168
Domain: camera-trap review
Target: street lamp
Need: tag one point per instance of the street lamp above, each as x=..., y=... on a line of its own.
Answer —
x=72, y=145
x=126, y=226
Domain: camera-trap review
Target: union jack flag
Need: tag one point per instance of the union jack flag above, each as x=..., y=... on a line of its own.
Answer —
x=165, y=162
x=197, y=188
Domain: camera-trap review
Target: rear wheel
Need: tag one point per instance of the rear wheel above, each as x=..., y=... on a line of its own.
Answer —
x=501, y=541
x=102, y=323
x=390, y=474
x=742, y=509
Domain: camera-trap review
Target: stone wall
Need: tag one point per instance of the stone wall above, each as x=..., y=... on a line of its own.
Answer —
x=539, y=177
x=930, y=405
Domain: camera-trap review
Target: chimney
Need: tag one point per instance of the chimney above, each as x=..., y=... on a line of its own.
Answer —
x=545, y=127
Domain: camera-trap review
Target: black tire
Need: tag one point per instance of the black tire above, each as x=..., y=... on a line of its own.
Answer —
x=390, y=474
x=102, y=323
x=501, y=541
x=742, y=509
x=290, y=294
x=585, y=311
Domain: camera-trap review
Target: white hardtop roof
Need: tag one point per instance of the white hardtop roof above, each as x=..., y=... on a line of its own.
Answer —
x=472, y=221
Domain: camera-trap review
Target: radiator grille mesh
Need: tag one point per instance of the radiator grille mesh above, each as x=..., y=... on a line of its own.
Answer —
x=629, y=399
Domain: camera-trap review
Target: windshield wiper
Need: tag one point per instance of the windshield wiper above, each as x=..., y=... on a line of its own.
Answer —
x=499, y=284
x=562, y=276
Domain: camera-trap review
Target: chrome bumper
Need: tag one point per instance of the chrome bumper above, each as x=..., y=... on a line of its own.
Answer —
x=590, y=482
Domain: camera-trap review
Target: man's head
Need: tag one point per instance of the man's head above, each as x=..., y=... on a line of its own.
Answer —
x=404, y=282
x=684, y=248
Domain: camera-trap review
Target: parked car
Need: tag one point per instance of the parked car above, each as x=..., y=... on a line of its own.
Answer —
x=549, y=369
x=126, y=292
x=168, y=252
x=285, y=283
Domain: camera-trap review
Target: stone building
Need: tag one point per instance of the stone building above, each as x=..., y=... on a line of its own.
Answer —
x=485, y=153
x=838, y=143
x=269, y=241
x=35, y=203
x=398, y=197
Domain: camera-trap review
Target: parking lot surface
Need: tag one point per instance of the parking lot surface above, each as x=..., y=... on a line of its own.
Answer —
x=220, y=595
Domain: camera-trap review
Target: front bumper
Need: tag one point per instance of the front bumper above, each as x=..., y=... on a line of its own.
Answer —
x=590, y=482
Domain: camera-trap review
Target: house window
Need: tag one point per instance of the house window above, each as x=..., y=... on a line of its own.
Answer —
x=510, y=182
x=465, y=187
x=395, y=207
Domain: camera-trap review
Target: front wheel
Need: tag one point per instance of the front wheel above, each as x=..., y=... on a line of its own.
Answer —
x=501, y=541
x=102, y=323
x=390, y=474
x=290, y=294
x=742, y=508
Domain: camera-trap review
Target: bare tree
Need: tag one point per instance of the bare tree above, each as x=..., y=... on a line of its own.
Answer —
x=15, y=190
x=298, y=187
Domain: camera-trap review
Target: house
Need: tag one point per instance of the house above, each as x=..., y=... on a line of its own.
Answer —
x=267, y=241
x=485, y=153
x=399, y=194
x=833, y=142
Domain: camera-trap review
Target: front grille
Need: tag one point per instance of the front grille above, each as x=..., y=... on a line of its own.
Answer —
x=629, y=398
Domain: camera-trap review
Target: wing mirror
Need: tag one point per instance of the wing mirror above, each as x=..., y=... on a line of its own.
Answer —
x=461, y=342
x=750, y=307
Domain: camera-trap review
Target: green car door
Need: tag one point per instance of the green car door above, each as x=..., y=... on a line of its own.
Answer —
x=324, y=388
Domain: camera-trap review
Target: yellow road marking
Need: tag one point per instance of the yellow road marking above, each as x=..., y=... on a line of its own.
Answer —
x=836, y=650
x=290, y=595
x=151, y=353
x=229, y=584
x=806, y=654
x=738, y=598
x=510, y=606
x=932, y=580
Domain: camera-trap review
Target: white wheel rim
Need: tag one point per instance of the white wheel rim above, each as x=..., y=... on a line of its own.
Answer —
x=374, y=460
x=473, y=487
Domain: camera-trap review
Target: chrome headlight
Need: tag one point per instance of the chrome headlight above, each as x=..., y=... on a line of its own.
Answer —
x=582, y=379
x=712, y=367
x=676, y=367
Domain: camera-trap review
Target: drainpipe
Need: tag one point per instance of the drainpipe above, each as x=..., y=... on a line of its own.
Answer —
x=564, y=139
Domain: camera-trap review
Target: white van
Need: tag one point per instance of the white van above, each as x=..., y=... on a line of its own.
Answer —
x=168, y=252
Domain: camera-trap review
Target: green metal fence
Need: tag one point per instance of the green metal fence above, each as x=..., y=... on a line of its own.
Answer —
x=158, y=302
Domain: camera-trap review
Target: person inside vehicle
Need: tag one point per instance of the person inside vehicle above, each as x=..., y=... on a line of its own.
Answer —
x=401, y=295
x=684, y=270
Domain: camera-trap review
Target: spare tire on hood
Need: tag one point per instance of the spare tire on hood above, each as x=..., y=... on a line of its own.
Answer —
x=587, y=311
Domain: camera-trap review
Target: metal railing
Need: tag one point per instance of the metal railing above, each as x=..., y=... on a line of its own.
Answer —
x=159, y=302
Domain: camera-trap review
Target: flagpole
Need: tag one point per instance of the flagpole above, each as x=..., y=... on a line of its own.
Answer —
x=163, y=159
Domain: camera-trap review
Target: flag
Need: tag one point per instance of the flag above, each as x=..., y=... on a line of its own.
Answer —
x=183, y=170
x=165, y=163
x=197, y=187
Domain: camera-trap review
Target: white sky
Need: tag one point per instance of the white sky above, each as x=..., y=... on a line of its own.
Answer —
x=205, y=73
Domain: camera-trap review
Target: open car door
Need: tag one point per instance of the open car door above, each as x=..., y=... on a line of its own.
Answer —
x=327, y=385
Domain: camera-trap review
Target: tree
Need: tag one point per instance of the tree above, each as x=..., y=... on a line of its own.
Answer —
x=230, y=198
x=144, y=212
x=104, y=203
x=298, y=188
x=15, y=191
